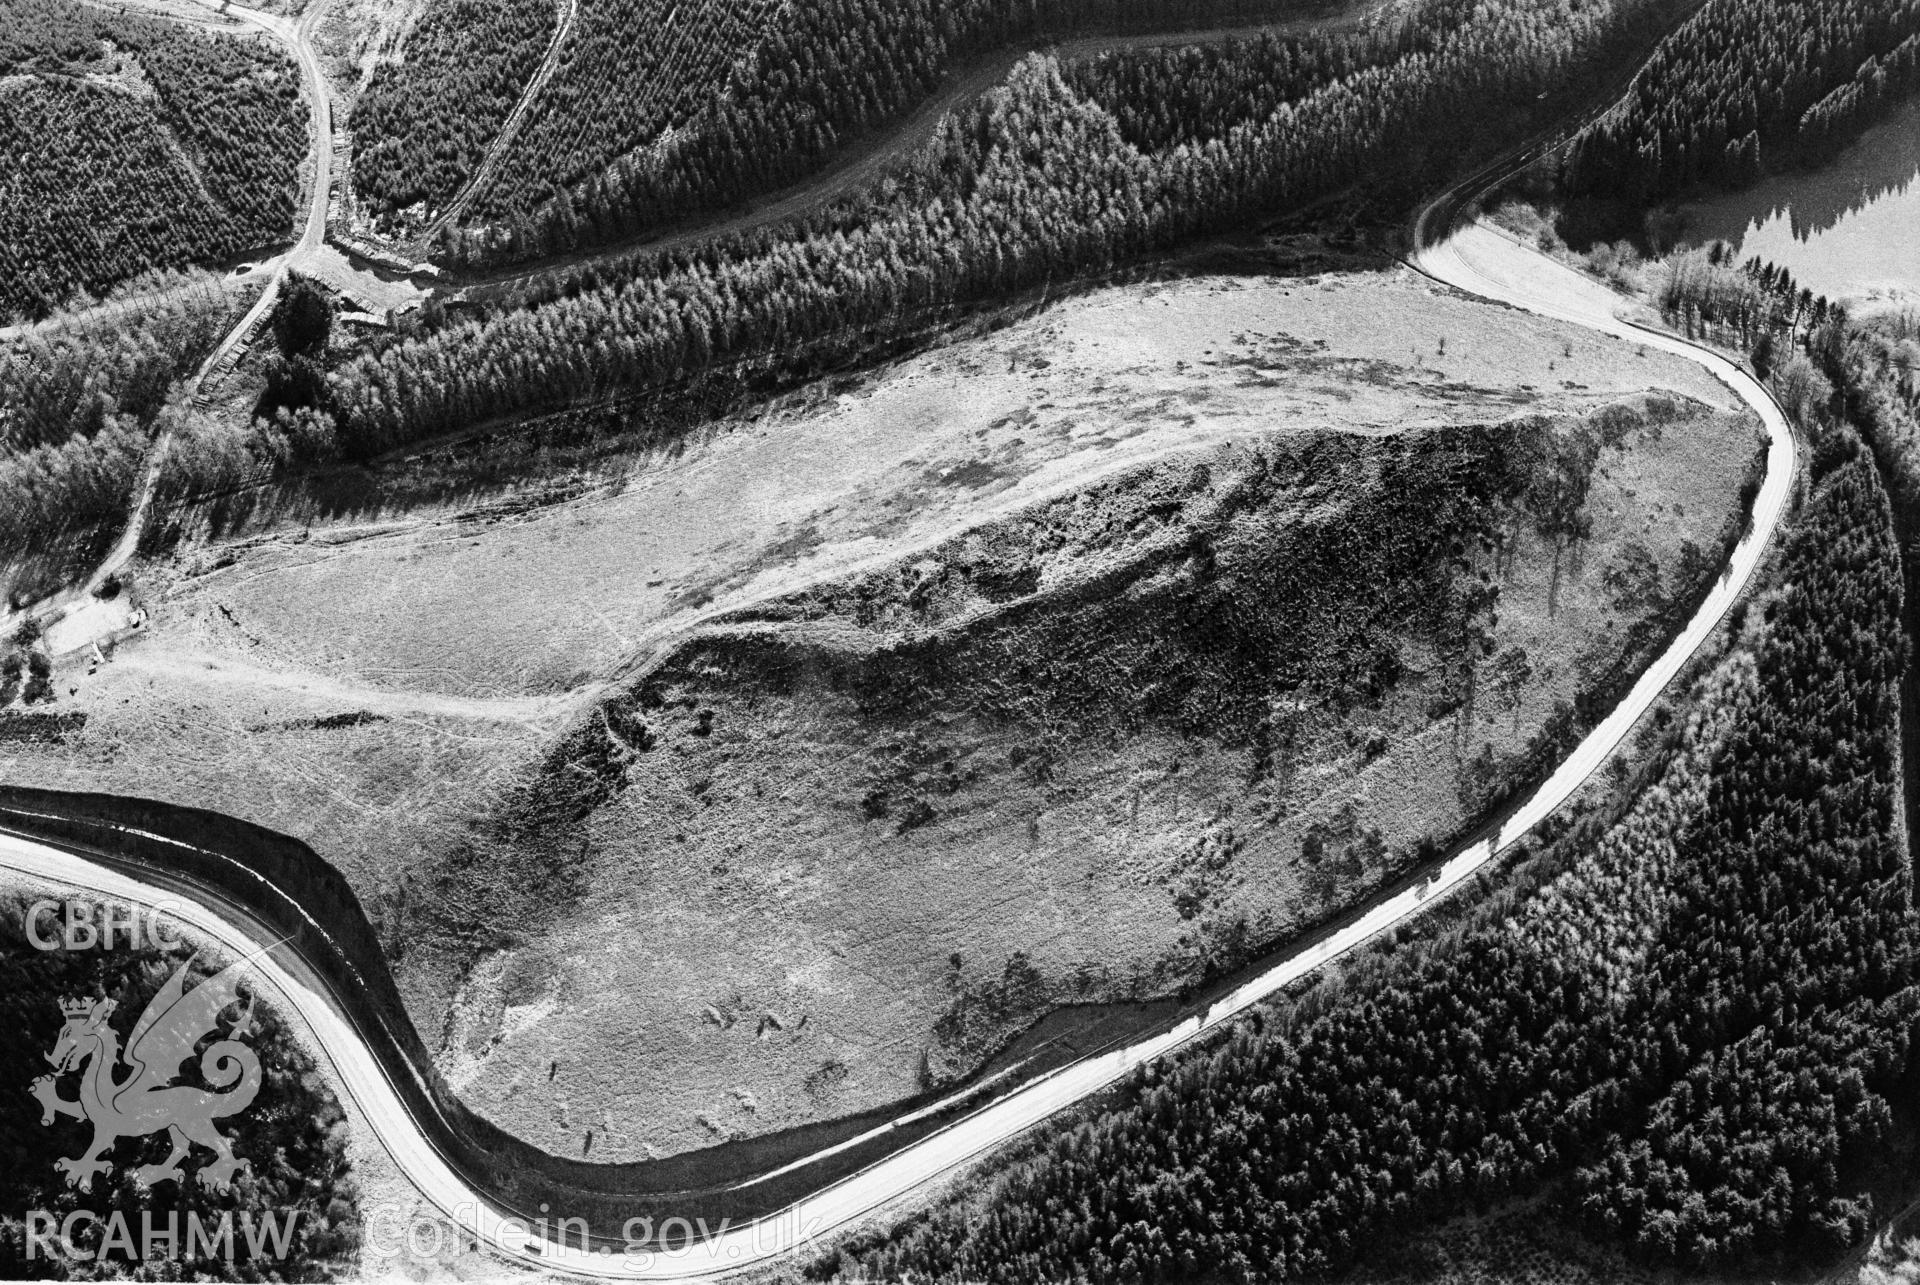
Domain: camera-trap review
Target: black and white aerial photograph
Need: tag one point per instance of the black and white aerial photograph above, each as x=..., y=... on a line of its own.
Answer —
x=960, y=642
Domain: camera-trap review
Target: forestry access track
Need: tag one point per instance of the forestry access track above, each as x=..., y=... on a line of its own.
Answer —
x=490, y=163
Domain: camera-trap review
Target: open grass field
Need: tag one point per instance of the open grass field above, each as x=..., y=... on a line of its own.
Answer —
x=465, y=652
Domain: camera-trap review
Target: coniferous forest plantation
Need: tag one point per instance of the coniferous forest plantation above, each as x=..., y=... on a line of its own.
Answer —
x=691, y=587
x=136, y=145
x=975, y=213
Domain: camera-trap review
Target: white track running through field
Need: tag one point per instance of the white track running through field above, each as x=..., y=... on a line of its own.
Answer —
x=1477, y=260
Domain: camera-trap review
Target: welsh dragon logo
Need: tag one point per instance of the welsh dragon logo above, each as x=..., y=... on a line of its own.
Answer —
x=146, y=1100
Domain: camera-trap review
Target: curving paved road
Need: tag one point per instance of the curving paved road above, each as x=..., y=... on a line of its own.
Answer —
x=1477, y=260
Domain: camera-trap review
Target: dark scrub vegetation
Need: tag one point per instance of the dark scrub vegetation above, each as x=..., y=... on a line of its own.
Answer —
x=1686, y=1040
x=1221, y=615
x=1687, y=1037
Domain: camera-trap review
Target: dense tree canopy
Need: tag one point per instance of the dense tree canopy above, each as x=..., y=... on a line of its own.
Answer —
x=1746, y=84
x=67, y=380
x=424, y=121
x=797, y=82
x=612, y=94
x=1687, y=1037
x=192, y=156
x=77, y=399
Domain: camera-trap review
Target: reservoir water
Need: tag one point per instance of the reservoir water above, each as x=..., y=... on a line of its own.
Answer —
x=1849, y=230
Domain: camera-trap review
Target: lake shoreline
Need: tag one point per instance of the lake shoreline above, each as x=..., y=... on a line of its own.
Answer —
x=1846, y=230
